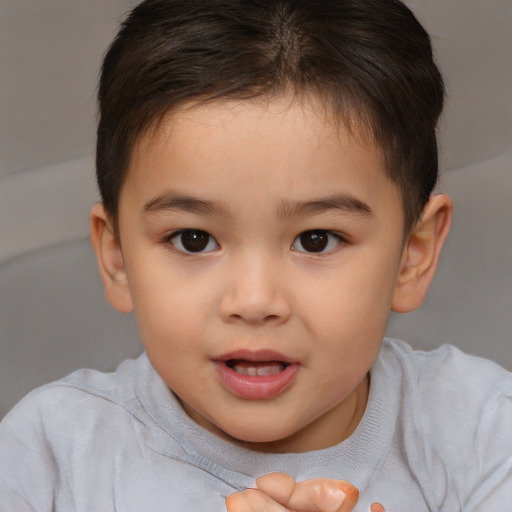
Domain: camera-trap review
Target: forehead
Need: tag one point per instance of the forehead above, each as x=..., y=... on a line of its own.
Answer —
x=290, y=118
x=280, y=147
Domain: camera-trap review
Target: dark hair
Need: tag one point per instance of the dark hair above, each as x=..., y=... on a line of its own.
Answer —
x=369, y=61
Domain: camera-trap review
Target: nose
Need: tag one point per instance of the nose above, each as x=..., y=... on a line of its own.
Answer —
x=254, y=292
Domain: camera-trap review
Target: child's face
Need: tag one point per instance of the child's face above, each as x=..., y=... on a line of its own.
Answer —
x=262, y=248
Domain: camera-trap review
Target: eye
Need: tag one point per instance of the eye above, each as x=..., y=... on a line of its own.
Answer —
x=193, y=241
x=317, y=241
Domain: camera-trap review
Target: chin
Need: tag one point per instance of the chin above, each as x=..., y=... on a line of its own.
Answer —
x=261, y=438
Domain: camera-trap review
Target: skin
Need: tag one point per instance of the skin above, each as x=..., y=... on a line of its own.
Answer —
x=268, y=172
x=278, y=492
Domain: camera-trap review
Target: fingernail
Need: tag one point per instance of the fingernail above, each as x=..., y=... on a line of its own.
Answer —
x=335, y=499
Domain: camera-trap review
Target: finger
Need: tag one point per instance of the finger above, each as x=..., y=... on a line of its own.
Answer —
x=252, y=500
x=377, y=507
x=323, y=495
x=279, y=486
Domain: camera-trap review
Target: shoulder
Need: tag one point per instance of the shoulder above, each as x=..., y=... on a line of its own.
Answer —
x=447, y=370
x=455, y=420
x=448, y=387
x=57, y=427
x=74, y=401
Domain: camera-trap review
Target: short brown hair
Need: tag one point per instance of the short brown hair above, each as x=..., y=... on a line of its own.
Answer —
x=368, y=60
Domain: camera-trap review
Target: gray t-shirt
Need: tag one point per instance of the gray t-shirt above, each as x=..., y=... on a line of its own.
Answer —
x=436, y=435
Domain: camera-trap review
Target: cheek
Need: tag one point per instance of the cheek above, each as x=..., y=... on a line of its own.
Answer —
x=353, y=299
x=168, y=305
x=172, y=328
x=348, y=317
x=167, y=285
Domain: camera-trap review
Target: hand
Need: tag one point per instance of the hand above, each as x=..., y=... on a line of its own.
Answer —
x=278, y=492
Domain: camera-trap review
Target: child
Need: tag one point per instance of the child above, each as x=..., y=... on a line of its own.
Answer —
x=266, y=170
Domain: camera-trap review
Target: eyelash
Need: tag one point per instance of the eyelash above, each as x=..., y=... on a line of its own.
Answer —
x=197, y=232
x=332, y=237
x=205, y=240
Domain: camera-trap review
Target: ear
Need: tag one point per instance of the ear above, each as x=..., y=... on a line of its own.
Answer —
x=110, y=260
x=421, y=254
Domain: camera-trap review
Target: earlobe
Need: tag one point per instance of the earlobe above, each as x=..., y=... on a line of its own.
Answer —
x=421, y=254
x=110, y=260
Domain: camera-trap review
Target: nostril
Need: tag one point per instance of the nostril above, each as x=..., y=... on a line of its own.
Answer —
x=254, y=307
x=255, y=319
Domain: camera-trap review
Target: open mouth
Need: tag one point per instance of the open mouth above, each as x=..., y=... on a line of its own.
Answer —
x=256, y=368
x=256, y=375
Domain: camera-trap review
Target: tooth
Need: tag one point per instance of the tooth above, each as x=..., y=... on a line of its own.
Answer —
x=269, y=370
x=245, y=370
x=257, y=369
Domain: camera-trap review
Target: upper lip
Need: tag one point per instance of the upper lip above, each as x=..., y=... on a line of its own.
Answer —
x=255, y=356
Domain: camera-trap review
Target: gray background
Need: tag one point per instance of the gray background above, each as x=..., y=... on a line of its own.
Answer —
x=53, y=315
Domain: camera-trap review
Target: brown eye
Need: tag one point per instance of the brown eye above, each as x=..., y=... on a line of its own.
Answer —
x=194, y=241
x=316, y=241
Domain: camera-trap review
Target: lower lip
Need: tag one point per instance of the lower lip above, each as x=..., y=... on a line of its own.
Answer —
x=251, y=387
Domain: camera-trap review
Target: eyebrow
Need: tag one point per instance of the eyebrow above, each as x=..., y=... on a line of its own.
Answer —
x=346, y=203
x=186, y=203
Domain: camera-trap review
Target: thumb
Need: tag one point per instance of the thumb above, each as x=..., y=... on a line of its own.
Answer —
x=319, y=494
x=278, y=486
